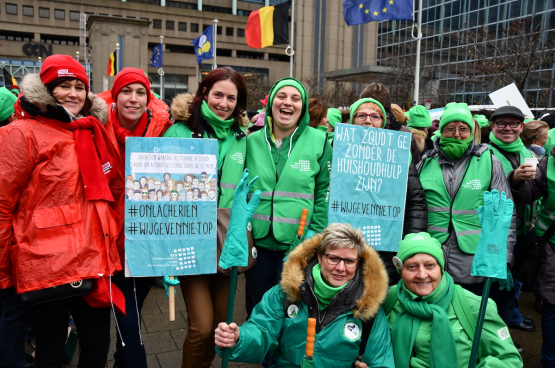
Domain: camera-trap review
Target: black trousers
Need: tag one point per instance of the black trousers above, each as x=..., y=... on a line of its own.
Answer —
x=49, y=323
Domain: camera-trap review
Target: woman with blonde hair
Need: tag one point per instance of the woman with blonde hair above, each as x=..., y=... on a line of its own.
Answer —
x=534, y=137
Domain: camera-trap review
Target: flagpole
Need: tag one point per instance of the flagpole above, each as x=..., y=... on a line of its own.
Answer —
x=3, y=77
x=161, y=70
x=289, y=50
x=417, y=66
x=117, y=59
x=215, y=34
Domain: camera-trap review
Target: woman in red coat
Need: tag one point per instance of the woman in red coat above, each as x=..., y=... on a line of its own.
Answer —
x=57, y=170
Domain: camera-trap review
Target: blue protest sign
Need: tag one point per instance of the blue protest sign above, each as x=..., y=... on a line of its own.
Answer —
x=170, y=206
x=369, y=182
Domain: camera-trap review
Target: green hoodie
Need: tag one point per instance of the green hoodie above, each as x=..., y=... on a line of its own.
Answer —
x=496, y=346
x=264, y=160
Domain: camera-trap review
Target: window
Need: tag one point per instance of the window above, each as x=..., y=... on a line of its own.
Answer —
x=181, y=26
x=157, y=23
x=229, y=31
x=170, y=25
x=28, y=11
x=204, y=26
x=219, y=30
x=174, y=84
x=240, y=32
x=194, y=27
x=59, y=14
x=74, y=15
x=11, y=8
x=44, y=13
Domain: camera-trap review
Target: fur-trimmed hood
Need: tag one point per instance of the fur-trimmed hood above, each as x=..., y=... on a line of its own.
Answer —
x=374, y=277
x=36, y=93
x=180, y=106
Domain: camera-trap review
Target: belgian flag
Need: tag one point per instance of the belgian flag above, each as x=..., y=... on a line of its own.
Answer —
x=268, y=26
x=113, y=64
x=8, y=79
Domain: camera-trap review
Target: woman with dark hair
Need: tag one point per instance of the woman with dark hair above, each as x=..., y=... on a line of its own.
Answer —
x=214, y=112
x=134, y=112
x=317, y=111
x=56, y=224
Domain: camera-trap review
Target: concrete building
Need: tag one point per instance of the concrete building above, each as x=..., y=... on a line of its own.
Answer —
x=30, y=29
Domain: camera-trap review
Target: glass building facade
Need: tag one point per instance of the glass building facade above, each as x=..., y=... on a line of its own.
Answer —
x=446, y=58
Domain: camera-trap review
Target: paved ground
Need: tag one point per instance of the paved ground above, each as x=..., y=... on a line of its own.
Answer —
x=164, y=339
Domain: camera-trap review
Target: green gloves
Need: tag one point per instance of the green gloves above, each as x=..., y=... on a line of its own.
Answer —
x=236, y=248
x=490, y=259
x=169, y=282
x=507, y=283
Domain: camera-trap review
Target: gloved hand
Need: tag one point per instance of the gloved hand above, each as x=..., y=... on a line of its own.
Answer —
x=236, y=248
x=507, y=283
x=309, y=234
x=169, y=282
x=490, y=259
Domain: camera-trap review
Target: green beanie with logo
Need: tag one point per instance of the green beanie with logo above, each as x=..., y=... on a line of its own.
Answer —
x=455, y=111
x=7, y=102
x=419, y=117
x=354, y=107
x=481, y=120
x=418, y=243
x=334, y=116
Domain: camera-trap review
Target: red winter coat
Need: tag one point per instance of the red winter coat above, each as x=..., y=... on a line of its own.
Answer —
x=157, y=126
x=49, y=233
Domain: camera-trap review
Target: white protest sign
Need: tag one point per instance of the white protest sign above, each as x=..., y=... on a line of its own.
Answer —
x=510, y=96
x=173, y=163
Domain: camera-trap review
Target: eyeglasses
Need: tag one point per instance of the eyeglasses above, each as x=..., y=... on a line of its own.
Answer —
x=503, y=124
x=335, y=260
x=451, y=130
x=373, y=117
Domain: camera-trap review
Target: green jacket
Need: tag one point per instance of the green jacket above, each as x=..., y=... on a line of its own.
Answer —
x=496, y=346
x=304, y=164
x=550, y=142
x=234, y=160
x=279, y=322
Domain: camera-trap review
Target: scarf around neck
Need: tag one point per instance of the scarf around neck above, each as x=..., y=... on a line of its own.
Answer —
x=453, y=147
x=324, y=292
x=514, y=147
x=443, y=352
x=122, y=133
x=221, y=127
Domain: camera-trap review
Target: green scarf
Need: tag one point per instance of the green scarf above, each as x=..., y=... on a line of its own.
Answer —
x=453, y=147
x=443, y=352
x=514, y=147
x=323, y=291
x=221, y=127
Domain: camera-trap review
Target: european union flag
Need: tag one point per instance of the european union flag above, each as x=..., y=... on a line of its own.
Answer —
x=156, y=59
x=364, y=11
x=204, y=45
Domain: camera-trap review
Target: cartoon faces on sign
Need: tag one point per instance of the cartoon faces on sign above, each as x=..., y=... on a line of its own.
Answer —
x=162, y=187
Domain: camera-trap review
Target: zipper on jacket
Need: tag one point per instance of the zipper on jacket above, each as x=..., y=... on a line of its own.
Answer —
x=272, y=206
x=320, y=320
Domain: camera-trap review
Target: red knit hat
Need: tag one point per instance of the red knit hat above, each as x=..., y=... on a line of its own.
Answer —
x=62, y=66
x=128, y=76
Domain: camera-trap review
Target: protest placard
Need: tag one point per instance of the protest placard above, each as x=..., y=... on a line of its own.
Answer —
x=170, y=206
x=369, y=182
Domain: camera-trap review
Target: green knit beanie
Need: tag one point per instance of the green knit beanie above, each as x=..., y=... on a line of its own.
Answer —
x=334, y=116
x=481, y=120
x=284, y=83
x=354, y=107
x=455, y=111
x=419, y=117
x=7, y=102
x=418, y=243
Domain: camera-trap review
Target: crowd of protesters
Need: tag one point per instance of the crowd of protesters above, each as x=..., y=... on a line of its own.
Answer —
x=63, y=190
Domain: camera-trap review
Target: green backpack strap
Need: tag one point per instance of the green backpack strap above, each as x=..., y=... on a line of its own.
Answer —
x=463, y=313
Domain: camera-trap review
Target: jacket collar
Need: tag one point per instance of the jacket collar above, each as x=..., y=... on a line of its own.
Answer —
x=372, y=273
x=37, y=101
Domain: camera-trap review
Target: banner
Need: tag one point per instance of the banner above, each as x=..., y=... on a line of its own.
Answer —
x=170, y=206
x=369, y=182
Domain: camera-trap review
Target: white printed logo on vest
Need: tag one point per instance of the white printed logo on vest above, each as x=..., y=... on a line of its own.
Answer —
x=504, y=333
x=237, y=156
x=473, y=184
x=301, y=165
x=352, y=330
x=292, y=311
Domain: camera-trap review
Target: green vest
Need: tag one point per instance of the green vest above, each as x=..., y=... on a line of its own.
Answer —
x=546, y=215
x=524, y=212
x=462, y=212
x=283, y=200
x=233, y=164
